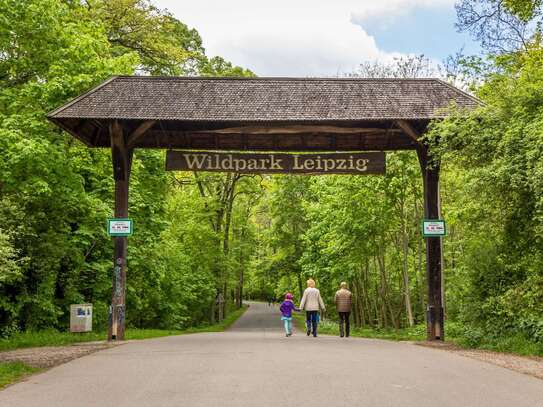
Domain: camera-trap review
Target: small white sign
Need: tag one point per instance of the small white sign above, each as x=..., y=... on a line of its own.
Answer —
x=433, y=228
x=120, y=227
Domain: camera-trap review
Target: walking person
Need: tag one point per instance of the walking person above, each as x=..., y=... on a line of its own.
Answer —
x=343, y=302
x=312, y=302
x=286, y=309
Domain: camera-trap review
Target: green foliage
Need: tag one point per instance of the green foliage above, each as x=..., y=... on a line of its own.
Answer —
x=200, y=238
x=496, y=282
x=524, y=9
x=52, y=337
x=55, y=194
x=363, y=230
x=10, y=372
x=329, y=327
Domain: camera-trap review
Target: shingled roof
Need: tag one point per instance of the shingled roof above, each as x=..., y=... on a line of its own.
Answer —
x=296, y=114
x=265, y=99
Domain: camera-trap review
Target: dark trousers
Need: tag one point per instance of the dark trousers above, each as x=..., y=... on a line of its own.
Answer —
x=344, y=320
x=311, y=322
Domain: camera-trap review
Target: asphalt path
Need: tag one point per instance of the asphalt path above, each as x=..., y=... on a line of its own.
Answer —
x=254, y=364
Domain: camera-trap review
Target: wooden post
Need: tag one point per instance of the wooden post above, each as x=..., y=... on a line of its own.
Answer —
x=121, y=156
x=435, y=315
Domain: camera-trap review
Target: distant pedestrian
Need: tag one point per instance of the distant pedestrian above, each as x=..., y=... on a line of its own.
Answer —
x=312, y=302
x=286, y=309
x=343, y=302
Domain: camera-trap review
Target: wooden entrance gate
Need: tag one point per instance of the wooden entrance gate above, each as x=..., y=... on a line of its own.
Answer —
x=263, y=115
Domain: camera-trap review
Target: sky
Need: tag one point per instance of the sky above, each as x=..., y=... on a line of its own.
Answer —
x=321, y=37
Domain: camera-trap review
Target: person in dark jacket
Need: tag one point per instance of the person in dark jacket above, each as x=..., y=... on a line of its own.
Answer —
x=286, y=309
x=343, y=302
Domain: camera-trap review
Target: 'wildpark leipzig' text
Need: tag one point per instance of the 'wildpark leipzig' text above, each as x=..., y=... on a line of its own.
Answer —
x=270, y=163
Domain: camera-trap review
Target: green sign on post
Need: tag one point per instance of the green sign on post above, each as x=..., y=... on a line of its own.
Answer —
x=434, y=228
x=120, y=227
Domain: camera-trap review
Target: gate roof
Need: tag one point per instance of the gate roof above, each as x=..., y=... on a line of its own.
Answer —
x=260, y=113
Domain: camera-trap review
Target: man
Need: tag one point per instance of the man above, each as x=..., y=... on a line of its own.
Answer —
x=343, y=302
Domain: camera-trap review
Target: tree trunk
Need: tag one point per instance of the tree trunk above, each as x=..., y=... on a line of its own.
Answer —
x=385, y=286
x=407, y=294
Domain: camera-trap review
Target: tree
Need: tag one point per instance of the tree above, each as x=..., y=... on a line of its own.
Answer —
x=410, y=66
x=501, y=26
x=55, y=194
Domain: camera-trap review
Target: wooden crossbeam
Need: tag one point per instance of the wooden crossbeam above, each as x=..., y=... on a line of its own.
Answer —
x=409, y=130
x=139, y=133
x=294, y=129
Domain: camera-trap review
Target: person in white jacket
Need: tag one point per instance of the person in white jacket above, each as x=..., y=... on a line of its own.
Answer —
x=312, y=302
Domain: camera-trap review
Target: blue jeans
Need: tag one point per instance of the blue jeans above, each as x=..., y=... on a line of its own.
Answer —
x=288, y=324
x=311, y=321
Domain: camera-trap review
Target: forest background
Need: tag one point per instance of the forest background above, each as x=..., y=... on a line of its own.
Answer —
x=201, y=235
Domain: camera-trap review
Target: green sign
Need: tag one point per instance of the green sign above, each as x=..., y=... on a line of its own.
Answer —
x=434, y=228
x=120, y=227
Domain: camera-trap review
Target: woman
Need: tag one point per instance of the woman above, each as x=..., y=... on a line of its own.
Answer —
x=311, y=303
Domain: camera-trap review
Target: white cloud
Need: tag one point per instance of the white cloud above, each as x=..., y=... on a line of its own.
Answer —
x=390, y=9
x=290, y=38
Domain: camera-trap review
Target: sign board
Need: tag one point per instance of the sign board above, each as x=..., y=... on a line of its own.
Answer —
x=80, y=317
x=120, y=227
x=271, y=163
x=433, y=228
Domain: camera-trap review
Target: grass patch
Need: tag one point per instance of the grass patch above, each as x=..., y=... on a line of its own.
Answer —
x=328, y=327
x=10, y=372
x=221, y=326
x=49, y=337
x=56, y=338
x=518, y=345
x=456, y=334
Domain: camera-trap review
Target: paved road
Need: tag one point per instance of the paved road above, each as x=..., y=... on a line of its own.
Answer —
x=254, y=365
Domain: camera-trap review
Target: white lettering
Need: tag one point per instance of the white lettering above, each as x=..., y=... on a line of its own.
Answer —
x=319, y=162
x=240, y=164
x=195, y=160
x=329, y=164
x=309, y=164
x=351, y=163
x=296, y=165
x=362, y=164
x=226, y=163
x=275, y=163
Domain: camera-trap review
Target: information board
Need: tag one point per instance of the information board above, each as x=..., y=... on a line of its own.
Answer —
x=434, y=228
x=120, y=227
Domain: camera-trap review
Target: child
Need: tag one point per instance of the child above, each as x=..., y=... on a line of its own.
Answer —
x=286, y=313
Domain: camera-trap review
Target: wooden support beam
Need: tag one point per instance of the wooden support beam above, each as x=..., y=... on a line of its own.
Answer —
x=434, y=268
x=121, y=156
x=435, y=328
x=140, y=131
x=409, y=130
x=293, y=129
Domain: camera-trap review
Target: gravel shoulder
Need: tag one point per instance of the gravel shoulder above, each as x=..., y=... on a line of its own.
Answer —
x=50, y=356
x=530, y=365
